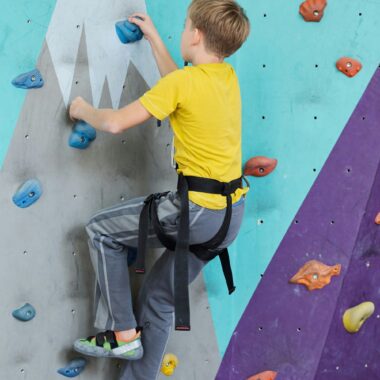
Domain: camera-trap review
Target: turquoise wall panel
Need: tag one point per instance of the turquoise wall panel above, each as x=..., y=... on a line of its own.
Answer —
x=23, y=26
x=295, y=105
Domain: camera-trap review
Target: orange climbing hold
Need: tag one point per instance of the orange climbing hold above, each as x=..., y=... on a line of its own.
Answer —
x=260, y=166
x=349, y=66
x=312, y=10
x=266, y=375
x=315, y=275
x=377, y=219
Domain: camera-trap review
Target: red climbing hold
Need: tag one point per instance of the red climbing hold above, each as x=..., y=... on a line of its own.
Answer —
x=312, y=10
x=267, y=375
x=260, y=166
x=349, y=66
x=377, y=219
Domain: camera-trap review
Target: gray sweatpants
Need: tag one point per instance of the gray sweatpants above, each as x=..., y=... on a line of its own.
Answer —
x=111, y=231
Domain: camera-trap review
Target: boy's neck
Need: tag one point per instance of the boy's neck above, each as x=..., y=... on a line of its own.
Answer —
x=203, y=57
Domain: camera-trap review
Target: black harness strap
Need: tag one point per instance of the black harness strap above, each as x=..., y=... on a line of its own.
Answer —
x=204, y=251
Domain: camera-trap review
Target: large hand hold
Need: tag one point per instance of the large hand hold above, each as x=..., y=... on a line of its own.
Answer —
x=315, y=274
x=260, y=166
x=312, y=10
x=266, y=375
x=83, y=134
x=24, y=313
x=128, y=32
x=348, y=66
x=31, y=79
x=354, y=318
x=169, y=363
x=74, y=368
x=28, y=193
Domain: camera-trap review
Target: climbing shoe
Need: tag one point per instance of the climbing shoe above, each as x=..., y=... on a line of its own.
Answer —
x=105, y=345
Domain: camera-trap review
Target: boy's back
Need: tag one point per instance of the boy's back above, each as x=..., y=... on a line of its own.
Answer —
x=204, y=105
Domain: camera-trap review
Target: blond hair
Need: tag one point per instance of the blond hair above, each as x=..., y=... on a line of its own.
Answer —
x=223, y=23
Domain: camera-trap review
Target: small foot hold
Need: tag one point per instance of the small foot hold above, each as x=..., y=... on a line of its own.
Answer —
x=128, y=32
x=266, y=375
x=348, y=66
x=315, y=274
x=354, y=317
x=31, y=79
x=169, y=364
x=25, y=313
x=28, y=193
x=74, y=368
x=312, y=10
x=260, y=166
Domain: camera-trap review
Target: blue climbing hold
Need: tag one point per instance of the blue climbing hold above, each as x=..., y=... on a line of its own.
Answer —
x=25, y=313
x=79, y=141
x=74, y=368
x=83, y=134
x=128, y=32
x=28, y=193
x=31, y=79
x=86, y=129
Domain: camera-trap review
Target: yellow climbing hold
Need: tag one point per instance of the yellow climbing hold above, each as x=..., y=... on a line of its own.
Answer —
x=354, y=317
x=169, y=363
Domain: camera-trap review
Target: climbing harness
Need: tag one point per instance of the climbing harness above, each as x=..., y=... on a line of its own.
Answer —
x=206, y=251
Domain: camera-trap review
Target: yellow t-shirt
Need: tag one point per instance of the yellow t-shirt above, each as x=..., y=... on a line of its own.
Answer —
x=204, y=106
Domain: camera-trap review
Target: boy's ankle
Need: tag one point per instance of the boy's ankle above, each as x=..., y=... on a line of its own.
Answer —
x=126, y=335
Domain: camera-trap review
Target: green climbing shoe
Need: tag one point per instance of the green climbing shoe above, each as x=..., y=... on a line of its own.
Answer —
x=105, y=345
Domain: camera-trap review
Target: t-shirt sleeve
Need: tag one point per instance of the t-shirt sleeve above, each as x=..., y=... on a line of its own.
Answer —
x=168, y=94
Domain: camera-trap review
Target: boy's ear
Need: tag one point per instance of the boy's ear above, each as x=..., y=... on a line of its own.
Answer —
x=197, y=36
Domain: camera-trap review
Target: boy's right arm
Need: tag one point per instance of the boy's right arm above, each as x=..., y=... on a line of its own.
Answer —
x=164, y=61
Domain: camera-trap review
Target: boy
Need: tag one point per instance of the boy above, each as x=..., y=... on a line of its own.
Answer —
x=204, y=106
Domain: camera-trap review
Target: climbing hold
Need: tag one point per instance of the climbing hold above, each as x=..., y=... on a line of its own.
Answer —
x=83, y=134
x=79, y=141
x=32, y=79
x=25, y=313
x=377, y=219
x=315, y=274
x=349, y=66
x=85, y=129
x=312, y=10
x=169, y=363
x=266, y=375
x=27, y=193
x=128, y=32
x=260, y=166
x=354, y=318
x=74, y=368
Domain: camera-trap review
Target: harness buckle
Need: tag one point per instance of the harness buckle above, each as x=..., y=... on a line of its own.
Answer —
x=227, y=189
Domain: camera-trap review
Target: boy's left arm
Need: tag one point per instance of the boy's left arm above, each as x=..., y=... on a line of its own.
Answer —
x=109, y=120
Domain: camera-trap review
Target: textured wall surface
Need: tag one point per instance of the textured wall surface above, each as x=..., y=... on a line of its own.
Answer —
x=44, y=249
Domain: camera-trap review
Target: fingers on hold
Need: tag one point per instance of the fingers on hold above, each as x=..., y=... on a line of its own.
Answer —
x=139, y=16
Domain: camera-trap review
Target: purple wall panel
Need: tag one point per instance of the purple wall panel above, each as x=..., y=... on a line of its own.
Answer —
x=285, y=327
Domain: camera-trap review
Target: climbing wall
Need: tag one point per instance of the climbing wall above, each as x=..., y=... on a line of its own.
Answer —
x=286, y=327
x=45, y=260
x=297, y=107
